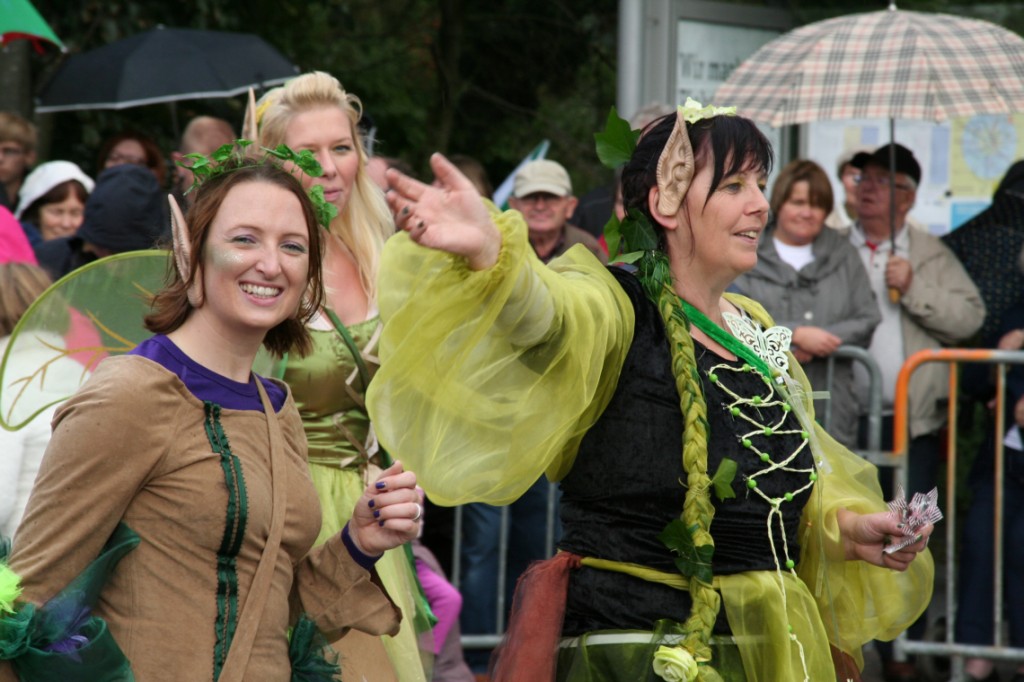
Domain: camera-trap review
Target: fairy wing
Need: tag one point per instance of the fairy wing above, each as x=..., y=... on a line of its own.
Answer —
x=91, y=313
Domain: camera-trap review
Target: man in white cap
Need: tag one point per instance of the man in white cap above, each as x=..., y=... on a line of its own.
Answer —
x=542, y=192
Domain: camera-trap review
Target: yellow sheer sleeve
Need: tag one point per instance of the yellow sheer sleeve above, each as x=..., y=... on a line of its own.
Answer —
x=858, y=602
x=490, y=378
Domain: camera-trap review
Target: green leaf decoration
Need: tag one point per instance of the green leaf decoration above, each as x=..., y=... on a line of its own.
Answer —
x=222, y=153
x=723, y=478
x=325, y=211
x=637, y=233
x=693, y=561
x=615, y=144
x=304, y=160
x=205, y=168
x=198, y=161
x=631, y=257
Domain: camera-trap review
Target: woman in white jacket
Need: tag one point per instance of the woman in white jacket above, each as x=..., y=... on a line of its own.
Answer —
x=22, y=450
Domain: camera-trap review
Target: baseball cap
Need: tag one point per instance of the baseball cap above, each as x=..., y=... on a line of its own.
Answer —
x=905, y=161
x=860, y=159
x=542, y=176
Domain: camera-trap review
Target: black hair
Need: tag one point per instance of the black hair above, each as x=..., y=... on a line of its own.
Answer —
x=734, y=143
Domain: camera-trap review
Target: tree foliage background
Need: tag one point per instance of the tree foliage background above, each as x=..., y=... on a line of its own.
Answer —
x=485, y=79
x=488, y=79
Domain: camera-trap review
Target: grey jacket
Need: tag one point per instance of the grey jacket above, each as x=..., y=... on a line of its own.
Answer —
x=831, y=292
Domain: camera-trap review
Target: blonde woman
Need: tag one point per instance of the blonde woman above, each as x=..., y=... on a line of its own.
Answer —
x=313, y=112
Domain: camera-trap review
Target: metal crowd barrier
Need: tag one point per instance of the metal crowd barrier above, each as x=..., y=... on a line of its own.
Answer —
x=998, y=651
x=489, y=641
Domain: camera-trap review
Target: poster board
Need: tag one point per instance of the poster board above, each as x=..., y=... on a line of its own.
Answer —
x=707, y=53
x=962, y=160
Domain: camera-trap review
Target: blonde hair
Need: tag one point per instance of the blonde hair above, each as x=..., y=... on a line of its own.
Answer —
x=365, y=223
x=20, y=285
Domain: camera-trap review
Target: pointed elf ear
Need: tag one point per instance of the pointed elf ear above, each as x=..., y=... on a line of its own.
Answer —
x=250, y=126
x=675, y=168
x=183, y=251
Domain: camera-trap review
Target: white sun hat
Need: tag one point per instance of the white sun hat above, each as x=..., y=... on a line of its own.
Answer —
x=45, y=177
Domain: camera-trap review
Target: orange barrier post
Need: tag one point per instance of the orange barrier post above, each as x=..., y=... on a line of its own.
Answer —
x=999, y=358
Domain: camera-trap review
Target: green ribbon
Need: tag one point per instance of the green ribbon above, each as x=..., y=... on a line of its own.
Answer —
x=727, y=340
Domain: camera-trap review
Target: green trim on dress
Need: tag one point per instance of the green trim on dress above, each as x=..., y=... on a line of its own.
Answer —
x=234, y=531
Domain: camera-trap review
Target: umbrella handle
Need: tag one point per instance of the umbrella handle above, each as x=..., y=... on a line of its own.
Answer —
x=894, y=295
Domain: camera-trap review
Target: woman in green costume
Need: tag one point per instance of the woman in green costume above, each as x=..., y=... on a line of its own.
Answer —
x=711, y=529
x=312, y=112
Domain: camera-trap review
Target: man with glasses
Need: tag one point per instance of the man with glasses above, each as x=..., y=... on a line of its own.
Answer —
x=927, y=300
x=543, y=194
x=17, y=154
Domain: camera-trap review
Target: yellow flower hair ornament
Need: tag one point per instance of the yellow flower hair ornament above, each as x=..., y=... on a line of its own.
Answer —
x=692, y=111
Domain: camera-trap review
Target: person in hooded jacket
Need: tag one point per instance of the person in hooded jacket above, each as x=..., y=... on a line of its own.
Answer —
x=125, y=212
x=812, y=280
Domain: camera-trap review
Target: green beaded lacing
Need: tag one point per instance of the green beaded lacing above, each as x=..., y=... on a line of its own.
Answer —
x=231, y=543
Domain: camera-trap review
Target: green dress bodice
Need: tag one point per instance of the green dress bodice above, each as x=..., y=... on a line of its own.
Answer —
x=329, y=393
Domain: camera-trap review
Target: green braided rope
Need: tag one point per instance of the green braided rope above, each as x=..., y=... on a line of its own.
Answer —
x=698, y=511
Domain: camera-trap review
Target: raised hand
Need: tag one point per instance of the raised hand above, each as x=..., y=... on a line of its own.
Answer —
x=388, y=513
x=449, y=217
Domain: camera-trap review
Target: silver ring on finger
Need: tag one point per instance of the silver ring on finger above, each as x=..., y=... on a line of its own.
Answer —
x=419, y=511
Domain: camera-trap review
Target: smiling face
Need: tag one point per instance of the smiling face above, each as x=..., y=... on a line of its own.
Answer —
x=545, y=213
x=327, y=133
x=255, y=262
x=717, y=235
x=799, y=221
x=61, y=218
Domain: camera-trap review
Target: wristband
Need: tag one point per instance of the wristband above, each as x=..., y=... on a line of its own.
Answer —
x=361, y=558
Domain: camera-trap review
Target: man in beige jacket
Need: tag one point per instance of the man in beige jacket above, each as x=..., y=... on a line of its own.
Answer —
x=937, y=305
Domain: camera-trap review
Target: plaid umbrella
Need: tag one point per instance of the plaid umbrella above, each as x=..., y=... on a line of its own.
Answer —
x=887, y=64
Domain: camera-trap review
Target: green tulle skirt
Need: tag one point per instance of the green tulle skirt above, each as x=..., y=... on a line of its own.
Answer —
x=627, y=656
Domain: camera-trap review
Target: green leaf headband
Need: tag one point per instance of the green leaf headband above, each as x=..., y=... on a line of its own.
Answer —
x=204, y=168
